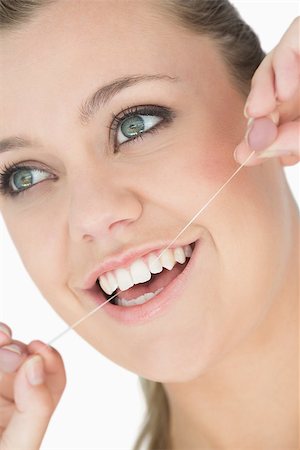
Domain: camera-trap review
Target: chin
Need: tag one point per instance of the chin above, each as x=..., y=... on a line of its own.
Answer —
x=175, y=369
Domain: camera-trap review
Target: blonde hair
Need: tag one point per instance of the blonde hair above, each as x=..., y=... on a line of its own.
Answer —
x=242, y=54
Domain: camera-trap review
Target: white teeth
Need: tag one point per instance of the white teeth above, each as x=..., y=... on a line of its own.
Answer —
x=112, y=281
x=167, y=259
x=179, y=255
x=139, y=300
x=124, y=279
x=139, y=271
x=154, y=263
x=105, y=285
x=188, y=251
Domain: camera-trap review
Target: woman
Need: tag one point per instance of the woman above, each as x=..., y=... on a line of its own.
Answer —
x=123, y=101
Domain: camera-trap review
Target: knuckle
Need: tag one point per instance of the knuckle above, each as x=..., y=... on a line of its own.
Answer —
x=7, y=442
x=43, y=405
x=45, y=412
x=56, y=354
x=46, y=409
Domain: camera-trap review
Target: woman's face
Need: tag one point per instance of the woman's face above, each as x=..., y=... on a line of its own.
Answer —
x=96, y=195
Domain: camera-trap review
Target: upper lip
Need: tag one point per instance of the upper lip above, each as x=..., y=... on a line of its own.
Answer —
x=125, y=259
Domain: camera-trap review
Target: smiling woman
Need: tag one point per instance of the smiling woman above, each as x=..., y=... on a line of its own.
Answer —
x=109, y=143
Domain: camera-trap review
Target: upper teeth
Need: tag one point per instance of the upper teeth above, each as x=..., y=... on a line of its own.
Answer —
x=140, y=270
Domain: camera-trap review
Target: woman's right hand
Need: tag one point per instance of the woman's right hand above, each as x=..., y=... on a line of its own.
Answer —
x=32, y=380
x=273, y=105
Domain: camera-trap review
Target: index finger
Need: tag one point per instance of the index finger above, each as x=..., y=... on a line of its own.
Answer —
x=286, y=63
x=277, y=78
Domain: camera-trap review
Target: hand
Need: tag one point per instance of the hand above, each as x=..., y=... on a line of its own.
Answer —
x=32, y=380
x=273, y=105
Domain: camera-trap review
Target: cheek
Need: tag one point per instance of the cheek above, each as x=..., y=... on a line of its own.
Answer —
x=207, y=145
x=40, y=245
x=204, y=166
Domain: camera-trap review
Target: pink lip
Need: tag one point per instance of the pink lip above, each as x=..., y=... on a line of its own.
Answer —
x=124, y=260
x=136, y=315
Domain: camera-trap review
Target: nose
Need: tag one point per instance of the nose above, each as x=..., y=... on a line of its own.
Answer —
x=100, y=208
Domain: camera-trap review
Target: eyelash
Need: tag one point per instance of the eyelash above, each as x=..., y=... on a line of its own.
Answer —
x=147, y=110
x=6, y=174
x=165, y=113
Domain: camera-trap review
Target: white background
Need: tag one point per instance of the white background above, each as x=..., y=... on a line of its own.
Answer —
x=102, y=407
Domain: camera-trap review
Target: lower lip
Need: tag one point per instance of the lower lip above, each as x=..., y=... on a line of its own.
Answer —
x=138, y=314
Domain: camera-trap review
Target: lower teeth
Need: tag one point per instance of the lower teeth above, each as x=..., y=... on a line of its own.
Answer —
x=137, y=301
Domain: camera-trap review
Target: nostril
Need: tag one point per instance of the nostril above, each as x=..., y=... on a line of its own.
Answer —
x=87, y=238
x=118, y=226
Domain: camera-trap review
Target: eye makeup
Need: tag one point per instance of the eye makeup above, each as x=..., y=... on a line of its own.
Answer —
x=11, y=169
x=139, y=129
x=165, y=114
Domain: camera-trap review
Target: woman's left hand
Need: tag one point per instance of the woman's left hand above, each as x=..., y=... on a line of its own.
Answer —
x=273, y=105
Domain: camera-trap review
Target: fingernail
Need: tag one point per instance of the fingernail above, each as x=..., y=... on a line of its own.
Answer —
x=235, y=153
x=10, y=358
x=246, y=114
x=249, y=127
x=4, y=329
x=274, y=116
x=35, y=370
x=12, y=348
x=261, y=133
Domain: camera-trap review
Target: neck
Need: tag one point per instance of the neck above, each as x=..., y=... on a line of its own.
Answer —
x=249, y=400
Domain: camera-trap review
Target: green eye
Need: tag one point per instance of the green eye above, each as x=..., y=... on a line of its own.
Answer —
x=132, y=123
x=132, y=126
x=136, y=125
x=23, y=179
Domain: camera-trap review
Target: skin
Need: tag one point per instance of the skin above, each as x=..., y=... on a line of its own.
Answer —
x=224, y=341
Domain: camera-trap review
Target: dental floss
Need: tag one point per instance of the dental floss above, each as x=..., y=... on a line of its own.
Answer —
x=71, y=327
x=75, y=324
x=207, y=203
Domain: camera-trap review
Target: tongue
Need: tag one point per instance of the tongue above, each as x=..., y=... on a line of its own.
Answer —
x=157, y=281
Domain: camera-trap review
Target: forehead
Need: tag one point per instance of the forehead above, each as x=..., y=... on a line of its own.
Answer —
x=72, y=47
x=115, y=36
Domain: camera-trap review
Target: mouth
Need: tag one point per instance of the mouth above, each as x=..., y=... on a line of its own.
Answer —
x=166, y=268
x=147, y=299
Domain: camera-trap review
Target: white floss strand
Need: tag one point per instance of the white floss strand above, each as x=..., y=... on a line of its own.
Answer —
x=86, y=316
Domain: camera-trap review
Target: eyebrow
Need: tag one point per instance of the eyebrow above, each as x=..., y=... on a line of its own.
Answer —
x=90, y=106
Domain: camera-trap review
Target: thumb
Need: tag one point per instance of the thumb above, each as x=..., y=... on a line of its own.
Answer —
x=260, y=134
x=34, y=407
x=268, y=141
